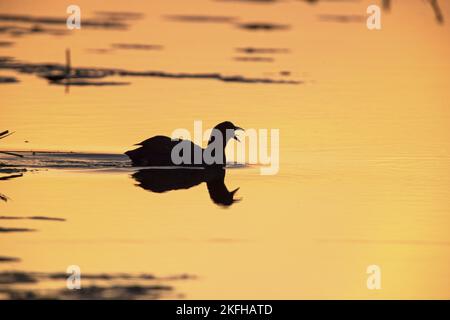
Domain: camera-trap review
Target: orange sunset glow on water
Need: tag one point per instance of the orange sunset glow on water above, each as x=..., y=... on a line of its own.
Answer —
x=361, y=157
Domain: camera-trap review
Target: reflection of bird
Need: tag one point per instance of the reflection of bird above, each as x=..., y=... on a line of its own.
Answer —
x=157, y=151
x=163, y=180
x=218, y=191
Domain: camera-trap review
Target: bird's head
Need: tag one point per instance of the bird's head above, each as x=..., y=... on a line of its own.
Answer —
x=228, y=130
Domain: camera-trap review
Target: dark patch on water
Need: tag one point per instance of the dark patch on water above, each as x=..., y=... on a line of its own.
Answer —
x=22, y=285
x=119, y=15
x=254, y=59
x=4, y=80
x=18, y=31
x=5, y=44
x=16, y=277
x=342, y=18
x=253, y=50
x=31, y=218
x=87, y=83
x=263, y=26
x=201, y=18
x=86, y=23
x=136, y=46
x=47, y=68
x=4, y=259
x=12, y=230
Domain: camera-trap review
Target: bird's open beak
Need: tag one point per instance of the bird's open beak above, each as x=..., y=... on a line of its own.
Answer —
x=235, y=137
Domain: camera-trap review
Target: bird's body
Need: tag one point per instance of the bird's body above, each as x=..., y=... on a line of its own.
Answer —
x=157, y=151
x=160, y=150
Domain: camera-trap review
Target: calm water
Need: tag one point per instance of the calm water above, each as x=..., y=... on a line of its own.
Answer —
x=364, y=156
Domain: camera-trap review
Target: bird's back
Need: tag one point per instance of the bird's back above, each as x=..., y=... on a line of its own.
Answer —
x=157, y=151
x=158, y=143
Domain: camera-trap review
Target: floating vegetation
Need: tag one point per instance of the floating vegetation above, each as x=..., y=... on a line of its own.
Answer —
x=253, y=59
x=201, y=18
x=102, y=23
x=9, y=230
x=342, y=18
x=47, y=69
x=22, y=285
x=4, y=44
x=263, y=26
x=32, y=218
x=252, y=50
x=8, y=80
x=3, y=135
x=4, y=259
x=136, y=46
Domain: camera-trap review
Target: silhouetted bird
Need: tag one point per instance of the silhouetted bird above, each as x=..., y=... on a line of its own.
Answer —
x=157, y=151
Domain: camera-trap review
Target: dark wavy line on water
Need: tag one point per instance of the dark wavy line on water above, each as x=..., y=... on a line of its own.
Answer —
x=32, y=218
x=201, y=18
x=8, y=80
x=10, y=230
x=4, y=259
x=87, y=23
x=9, y=63
x=123, y=286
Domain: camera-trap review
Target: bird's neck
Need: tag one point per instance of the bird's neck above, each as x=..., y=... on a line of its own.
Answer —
x=217, y=151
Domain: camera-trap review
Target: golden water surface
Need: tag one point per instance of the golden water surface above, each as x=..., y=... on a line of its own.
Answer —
x=364, y=150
